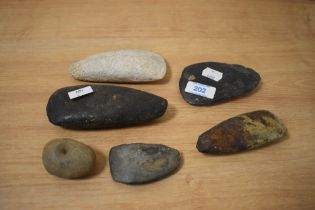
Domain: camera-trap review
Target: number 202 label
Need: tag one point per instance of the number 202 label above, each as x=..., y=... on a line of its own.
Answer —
x=200, y=89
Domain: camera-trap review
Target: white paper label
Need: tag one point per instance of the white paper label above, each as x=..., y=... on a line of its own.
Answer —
x=200, y=89
x=212, y=74
x=80, y=92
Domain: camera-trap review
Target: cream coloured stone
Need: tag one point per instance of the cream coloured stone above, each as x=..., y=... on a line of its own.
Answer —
x=132, y=65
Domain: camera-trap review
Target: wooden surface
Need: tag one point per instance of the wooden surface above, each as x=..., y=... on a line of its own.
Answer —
x=39, y=39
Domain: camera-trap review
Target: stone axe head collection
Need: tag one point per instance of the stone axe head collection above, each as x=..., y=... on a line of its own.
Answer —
x=93, y=106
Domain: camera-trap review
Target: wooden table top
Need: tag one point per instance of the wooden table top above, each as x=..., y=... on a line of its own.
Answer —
x=39, y=39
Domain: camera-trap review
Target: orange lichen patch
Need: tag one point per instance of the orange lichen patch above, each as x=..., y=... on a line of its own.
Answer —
x=262, y=130
x=243, y=132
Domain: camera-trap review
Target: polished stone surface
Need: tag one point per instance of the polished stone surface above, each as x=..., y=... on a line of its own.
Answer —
x=141, y=163
x=208, y=83
x=107, y=107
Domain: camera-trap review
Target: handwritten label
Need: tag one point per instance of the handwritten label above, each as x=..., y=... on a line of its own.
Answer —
x=200, y=89
x=80, y=92
x=212, y=74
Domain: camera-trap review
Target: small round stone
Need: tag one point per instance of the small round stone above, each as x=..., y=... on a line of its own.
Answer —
x=68, y=158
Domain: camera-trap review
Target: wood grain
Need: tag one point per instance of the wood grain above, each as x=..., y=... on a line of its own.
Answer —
x=39, y=39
